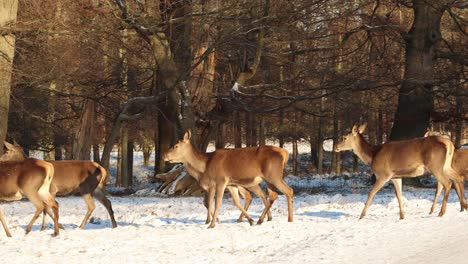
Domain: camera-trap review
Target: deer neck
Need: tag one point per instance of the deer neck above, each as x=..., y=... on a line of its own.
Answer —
x=195, y=163
x=364, y=150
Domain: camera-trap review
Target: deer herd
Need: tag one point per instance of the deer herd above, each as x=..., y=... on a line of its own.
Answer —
x=239, y=170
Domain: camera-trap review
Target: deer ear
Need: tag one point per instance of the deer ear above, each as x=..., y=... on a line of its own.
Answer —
x=187, y=135
x=355, y=130
x=8, y=145
x=362, y=128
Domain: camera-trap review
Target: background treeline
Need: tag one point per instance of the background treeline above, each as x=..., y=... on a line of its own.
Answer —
x=91, y=75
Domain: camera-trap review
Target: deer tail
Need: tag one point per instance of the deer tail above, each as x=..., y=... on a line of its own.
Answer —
x=104, y=175
x=447, y=168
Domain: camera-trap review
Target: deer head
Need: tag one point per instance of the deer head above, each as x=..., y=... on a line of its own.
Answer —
x=179, y=151
x=348, y=141
x=14, y=152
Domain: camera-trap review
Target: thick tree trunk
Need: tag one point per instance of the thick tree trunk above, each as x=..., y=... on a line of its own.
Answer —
x=8, y=13
x=84, y=135
x=415, y=100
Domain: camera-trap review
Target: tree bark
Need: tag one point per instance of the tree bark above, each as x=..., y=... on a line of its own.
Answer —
x=84, y=135
x=237, y=129
x=415, y=100
x=8, y=13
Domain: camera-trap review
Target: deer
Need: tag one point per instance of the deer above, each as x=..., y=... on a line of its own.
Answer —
x=406, y=158
x=229, y=168
x=460, y=165
x=30, y=177
x=85, y=176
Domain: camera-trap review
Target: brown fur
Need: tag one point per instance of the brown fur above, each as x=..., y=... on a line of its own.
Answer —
x=407, y=158
x=246, y=167
x=85, y=176
x=31, y=177
x=460, y=165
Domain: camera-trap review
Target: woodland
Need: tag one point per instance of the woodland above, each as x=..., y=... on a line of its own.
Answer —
x=80, y=79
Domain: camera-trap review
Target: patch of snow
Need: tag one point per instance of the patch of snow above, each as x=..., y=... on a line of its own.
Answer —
x=326, y=229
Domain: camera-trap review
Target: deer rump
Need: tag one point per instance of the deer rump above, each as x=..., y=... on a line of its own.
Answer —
x=32, y=178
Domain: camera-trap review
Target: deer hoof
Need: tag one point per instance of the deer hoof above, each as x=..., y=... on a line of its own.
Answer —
x=211, y=226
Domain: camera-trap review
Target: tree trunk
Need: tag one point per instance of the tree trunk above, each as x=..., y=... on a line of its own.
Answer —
x=261, y=131
x=220, y=136
x=124, y=157
x=8, y=13
x=96, y=155
x=237, y=128
x=294, y=156
x=129, y=179
x=84, y=135
x=415, y=100
x=281, y=132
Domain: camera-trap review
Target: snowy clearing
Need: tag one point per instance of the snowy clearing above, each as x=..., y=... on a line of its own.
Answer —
x=171, y=230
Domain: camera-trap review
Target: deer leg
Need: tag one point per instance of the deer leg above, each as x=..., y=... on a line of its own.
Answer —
x=460, y=189
x=4, y=224
x=288, y=191
x=101, y=197
x=209, y=196
x=436, y=196
x=39, y=208
x=235, y=197
x=91, y=206
x=447, y=187
x=398, y=191
x=377, y=186
x=50, y=213
x=44, y=214
x=259, y=192
x=272, y=196
x=247, y=198
x=220, y=187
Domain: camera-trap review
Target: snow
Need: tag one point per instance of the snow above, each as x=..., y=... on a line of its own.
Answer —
x=326, y=229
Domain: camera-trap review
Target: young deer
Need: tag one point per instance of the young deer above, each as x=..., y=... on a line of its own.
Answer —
x=31, y=177
x=223, y=168
x=406, y=158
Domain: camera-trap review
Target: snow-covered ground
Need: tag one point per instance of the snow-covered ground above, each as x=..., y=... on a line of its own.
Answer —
x=326, y=229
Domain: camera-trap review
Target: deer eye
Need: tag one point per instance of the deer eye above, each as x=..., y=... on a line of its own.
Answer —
x=176, y=146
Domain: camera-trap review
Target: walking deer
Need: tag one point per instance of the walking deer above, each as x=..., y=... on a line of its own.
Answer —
x=70, y=176
x=460, y=165
x=85, y=176
x=406, y=158
x=223, y=168
x=31, y=177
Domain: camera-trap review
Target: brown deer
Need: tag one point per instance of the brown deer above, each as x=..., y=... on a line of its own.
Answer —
x=70, y=176
x=85, y=176
x=460, y=165
x=223, y=168
x=406, y=158
x=31, y=177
